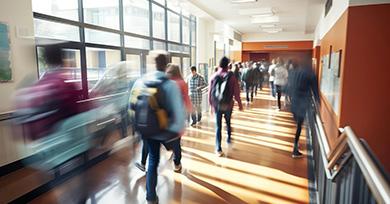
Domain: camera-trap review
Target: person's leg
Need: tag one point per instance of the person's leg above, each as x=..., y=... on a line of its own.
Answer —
x=247, y=91
x=199, y=111
x=218, y=134
x=252, y=87
x=299, y=121
x=279, y=92
x=144, y=155
x=193, y=114
x=176, y=148
x=228, y=116
x=273, y=89
x=151, y=176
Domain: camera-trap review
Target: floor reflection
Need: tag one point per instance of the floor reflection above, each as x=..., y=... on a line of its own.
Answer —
x=257, y=168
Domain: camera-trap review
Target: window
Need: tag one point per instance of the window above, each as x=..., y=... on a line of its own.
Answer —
x=136, y=16
x=139, y=43
x=193, y=55
x=176, y=60
x=186, y=67
x=193, y=33
x=162, y=2
x=186, y=49
x=59, y=31
x=98, y=61
x=133, y=63
x=158, y=22
x=64, y=9
x=101, y=37
x=174, y=48
x=158, y=45
x=102, y=12
x=173, y=27
x=174, y=5
x=186, y=31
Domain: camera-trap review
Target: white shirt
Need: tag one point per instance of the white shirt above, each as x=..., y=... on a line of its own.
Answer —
x=271, y=67
x=281, y=75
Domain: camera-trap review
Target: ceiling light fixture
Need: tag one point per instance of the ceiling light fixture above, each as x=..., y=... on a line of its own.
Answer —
x=265, y=20
x=256, y=11
x=272, y=30
x=268, y=26
x=243, y=1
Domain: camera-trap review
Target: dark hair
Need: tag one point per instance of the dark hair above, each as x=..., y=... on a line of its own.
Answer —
x=161, y=61
x=224, y=62
x=53, y=54
x=193, y=69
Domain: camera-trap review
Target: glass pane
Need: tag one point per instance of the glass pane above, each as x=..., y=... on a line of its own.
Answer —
x=140, y=43
x=133, y=63
x=174, y=5
x=173, y=27
x=193, y=33
x=48, y=29
x=150, y=63
x=101, y=37
x=174, y=48
x=186, y=31
x=71, y=64
x=64, y=9
x=158, y=22
x=162, y=2
x=158, y=45
x=176, y=60
x=98, y=61
x=193, y=55
x=102, y=12
x=186, y=67
x=186, y=49
x=185, y=12
x=136, y=16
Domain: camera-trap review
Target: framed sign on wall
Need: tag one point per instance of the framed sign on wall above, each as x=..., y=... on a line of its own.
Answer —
x=5, y=54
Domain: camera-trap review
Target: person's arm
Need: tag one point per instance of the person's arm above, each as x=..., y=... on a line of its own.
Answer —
x=175, y=101
x=236, y=92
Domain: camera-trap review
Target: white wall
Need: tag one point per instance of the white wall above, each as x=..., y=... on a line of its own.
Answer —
x=282, y=36
x=18, y=14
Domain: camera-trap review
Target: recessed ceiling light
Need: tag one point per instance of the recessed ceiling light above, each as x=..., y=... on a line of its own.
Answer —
x=243, y=1
x=272, y=30
x=265, y=20
x=256, y=11
x=262, y=15
x=268, y=25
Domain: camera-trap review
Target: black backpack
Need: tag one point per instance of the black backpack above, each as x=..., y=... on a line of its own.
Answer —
x=220, y=92
x=151, y=115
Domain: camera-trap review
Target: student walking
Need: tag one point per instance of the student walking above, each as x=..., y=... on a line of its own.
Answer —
x=280, y=80
x=196, y=83
x=223, y=87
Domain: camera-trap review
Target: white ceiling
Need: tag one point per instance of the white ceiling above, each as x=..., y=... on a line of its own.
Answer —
x=296, y=16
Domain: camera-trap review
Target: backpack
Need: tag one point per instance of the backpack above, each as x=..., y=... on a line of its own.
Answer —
x=151, y=116
x=220, y=92
x=247, y=76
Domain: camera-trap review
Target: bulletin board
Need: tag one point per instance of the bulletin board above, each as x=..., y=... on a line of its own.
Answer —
x=330, y=79
x=5, y=54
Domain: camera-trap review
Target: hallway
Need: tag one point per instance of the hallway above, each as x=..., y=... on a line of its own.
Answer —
x=256, y=168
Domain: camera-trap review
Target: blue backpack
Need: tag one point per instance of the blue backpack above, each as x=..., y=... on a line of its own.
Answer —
x=151, y=116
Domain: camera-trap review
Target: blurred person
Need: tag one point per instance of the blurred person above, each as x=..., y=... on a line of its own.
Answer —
x=159, y=115
x=237, y=74
x=280, y=80
x=271, y=72
x=196, y=83
x=248, y=76
x=291, y=69
x=223, y=87
x=304, y=83
x=258, y=75
x=50, y=100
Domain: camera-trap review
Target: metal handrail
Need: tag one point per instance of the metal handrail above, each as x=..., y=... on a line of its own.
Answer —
x=374, y=178
x=372, y=174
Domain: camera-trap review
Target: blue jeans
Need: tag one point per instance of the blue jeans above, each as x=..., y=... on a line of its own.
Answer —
x=175, y=146
x=151, y=176
x=218, y=121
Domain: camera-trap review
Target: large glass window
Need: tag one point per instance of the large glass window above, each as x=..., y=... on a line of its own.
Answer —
x=158, y=45
x=64, y=9
x=98, y=61
x=133, y=63
x=102, y=12
x=186, y=67
x=59, y=31
x=186, y=31
x=193, y=33
x=158, y=22
x=101, y=37
x=162, y=2
x=173, y=27
x=174, y=5
x=175, y=48
x=139, y=43
x=136, y=16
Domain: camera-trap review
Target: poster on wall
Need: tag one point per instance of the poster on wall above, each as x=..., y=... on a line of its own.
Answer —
x=330, y=81
x=5, y=54
x=336, y=57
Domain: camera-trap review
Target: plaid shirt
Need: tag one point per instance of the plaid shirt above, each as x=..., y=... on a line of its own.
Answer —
x=194, y=82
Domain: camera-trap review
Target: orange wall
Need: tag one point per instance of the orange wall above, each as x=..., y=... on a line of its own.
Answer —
x=291, y=45
x=365, y=99
x=336, y=37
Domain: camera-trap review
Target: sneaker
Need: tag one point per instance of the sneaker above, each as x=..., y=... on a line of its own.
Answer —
x=193, y=124
x=297, y=154
x=177, y=168
x=140, y=166
x=219, y=153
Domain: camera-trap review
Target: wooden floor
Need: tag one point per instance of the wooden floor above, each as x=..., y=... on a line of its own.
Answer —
x=257, y=168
